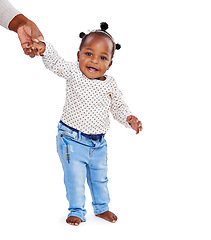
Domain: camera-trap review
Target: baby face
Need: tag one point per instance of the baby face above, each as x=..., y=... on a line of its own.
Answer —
x=95, y=56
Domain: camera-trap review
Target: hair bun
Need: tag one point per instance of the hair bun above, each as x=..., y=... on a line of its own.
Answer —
x=103, y=26
x=82, y=34
x=118, y=46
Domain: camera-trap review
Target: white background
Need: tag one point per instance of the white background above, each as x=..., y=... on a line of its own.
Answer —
x=160, y=179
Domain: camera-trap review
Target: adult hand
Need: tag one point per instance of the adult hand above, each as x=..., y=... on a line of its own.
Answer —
x=27, y=32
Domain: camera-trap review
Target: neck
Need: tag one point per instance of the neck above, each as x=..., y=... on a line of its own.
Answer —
x=103, y=78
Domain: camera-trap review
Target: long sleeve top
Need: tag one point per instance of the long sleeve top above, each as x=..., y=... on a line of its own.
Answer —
x=88, y=101
x=7, y=13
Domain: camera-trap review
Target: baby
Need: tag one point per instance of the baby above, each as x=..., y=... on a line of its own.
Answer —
x=90, y=96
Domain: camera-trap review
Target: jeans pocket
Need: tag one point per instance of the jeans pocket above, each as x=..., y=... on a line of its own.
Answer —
x=63, y=147
x=67, y=146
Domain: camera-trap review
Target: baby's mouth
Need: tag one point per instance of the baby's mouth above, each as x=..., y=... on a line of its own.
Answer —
x=92, y=69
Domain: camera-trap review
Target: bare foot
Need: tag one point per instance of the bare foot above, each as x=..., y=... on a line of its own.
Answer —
x=72, y=220
x=109, y=216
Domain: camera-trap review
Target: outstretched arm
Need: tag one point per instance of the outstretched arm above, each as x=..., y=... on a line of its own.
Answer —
x=51, y=58
x=121, y=111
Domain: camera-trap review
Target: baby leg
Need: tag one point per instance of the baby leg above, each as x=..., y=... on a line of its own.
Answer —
x=97, y=181
x=74, y=179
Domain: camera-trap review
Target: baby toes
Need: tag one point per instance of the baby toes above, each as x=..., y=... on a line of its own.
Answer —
x=72, y=220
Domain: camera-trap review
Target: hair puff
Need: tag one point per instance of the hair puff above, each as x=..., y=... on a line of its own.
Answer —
x=118, y=46
x=104, y=26
x=82, y=34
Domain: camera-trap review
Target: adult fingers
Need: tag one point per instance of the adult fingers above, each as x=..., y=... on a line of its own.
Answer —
x=32, y=54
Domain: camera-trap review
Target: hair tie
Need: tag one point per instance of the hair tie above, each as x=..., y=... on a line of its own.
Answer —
x=103, y=26
x=118, y=46
x=82, y=34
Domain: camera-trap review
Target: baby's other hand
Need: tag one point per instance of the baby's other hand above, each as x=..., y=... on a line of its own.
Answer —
x=134, y=123
x=35, y=48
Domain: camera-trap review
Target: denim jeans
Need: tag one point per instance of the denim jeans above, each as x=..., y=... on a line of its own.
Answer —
x=83, y=158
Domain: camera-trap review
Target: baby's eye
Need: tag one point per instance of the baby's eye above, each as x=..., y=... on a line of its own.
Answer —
x=89, y=54
x=103, y=58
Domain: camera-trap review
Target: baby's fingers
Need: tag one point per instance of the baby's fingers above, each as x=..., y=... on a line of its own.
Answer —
x=32, y=50
x=28, y=51
x=32, y=54
x=138, y=127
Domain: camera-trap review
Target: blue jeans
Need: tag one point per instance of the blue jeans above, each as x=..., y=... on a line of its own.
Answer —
x=83, y=158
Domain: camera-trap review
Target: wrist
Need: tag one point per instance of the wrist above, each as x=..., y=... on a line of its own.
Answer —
x=43, y=48
x=18, y=21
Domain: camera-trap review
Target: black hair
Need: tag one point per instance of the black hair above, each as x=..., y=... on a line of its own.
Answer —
x=102, y=31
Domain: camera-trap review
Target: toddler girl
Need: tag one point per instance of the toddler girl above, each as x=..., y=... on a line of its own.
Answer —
x=90, y=95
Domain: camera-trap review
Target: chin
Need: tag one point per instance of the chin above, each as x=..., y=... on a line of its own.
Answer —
x=92, y=76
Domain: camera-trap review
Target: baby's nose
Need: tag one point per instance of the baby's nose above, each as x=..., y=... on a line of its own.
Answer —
x=94, y=59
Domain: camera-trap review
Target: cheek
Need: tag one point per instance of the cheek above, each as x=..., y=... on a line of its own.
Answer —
x=104, y=67
x=82, y=62
x=106, y=64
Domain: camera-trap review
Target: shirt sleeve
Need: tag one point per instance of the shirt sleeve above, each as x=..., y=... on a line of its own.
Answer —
x=7, y=13
x=119, y=109
x=55, y=63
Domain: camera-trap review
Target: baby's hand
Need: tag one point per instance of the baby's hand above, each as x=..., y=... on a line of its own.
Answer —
x=134, y=123
x=35, y=48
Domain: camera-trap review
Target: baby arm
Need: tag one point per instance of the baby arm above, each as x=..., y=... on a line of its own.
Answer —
x=51, y=58
x=121, y=112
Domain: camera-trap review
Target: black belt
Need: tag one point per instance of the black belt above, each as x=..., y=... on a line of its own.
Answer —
x=90, y=136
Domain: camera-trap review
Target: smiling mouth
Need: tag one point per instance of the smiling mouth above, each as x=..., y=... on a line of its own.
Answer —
x=92, y=69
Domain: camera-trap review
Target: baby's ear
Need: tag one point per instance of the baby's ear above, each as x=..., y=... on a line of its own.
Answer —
x=110, y=64
x=78, y=53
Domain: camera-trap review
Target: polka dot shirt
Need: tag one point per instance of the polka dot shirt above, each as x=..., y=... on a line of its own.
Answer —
x=88, y=101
